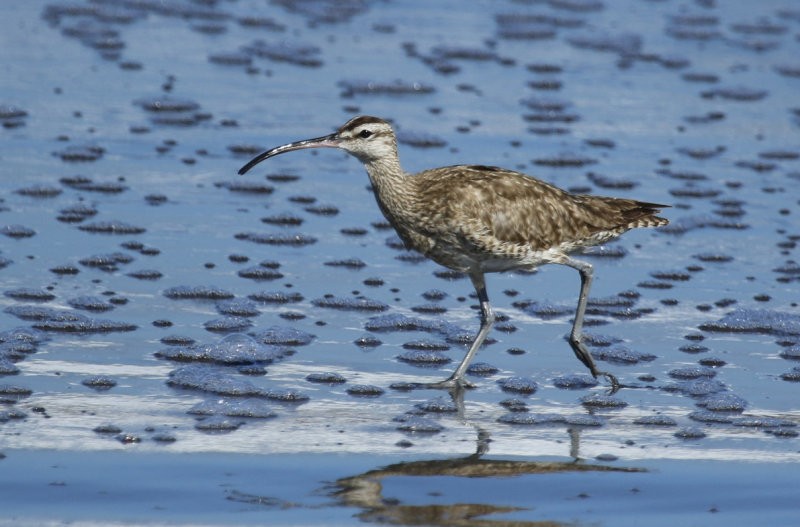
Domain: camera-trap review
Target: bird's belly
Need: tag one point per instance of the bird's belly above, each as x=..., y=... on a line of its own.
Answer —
x=529, y=260
x=512, y=257
x=492, y=262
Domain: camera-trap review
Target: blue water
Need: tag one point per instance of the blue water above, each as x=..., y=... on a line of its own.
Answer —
x=681, y=104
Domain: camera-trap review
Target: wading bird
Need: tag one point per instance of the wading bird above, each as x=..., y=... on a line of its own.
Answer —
x=481, y=219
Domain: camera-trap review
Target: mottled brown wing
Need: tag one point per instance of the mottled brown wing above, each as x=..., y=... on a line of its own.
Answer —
x=489, y=204
x=510, y=207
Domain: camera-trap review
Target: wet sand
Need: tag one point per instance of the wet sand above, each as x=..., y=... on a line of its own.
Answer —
x=181, y=345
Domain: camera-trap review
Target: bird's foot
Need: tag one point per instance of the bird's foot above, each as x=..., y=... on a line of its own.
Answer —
x=452, y=383
x=615, y=385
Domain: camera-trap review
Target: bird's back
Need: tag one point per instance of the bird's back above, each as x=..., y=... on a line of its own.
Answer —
x=494, y=213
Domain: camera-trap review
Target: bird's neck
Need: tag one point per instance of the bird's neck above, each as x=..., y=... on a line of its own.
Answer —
x=392, y=190
x=385, y=174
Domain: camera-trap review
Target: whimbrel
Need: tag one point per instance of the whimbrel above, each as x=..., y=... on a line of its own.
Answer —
x=481, y=219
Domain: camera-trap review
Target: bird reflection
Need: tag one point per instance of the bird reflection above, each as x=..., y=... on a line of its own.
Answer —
x=366, y=491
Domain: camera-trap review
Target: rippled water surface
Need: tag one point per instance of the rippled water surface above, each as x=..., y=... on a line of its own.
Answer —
x=182, y=345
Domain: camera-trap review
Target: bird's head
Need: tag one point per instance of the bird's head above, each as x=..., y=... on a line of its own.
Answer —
x=367, y=138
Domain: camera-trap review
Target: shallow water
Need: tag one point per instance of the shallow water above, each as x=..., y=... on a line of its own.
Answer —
x=124, y=125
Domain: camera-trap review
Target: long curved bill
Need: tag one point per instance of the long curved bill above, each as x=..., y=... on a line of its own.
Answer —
x=328, y=141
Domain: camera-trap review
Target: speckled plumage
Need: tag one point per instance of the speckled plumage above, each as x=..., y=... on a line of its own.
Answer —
x=480, y=219
x=490, y=219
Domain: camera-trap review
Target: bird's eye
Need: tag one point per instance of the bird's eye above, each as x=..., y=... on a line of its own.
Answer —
x=364, y=134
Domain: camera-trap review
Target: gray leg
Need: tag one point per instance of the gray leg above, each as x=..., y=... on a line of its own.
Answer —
x=576, y=337
x=487, y=321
